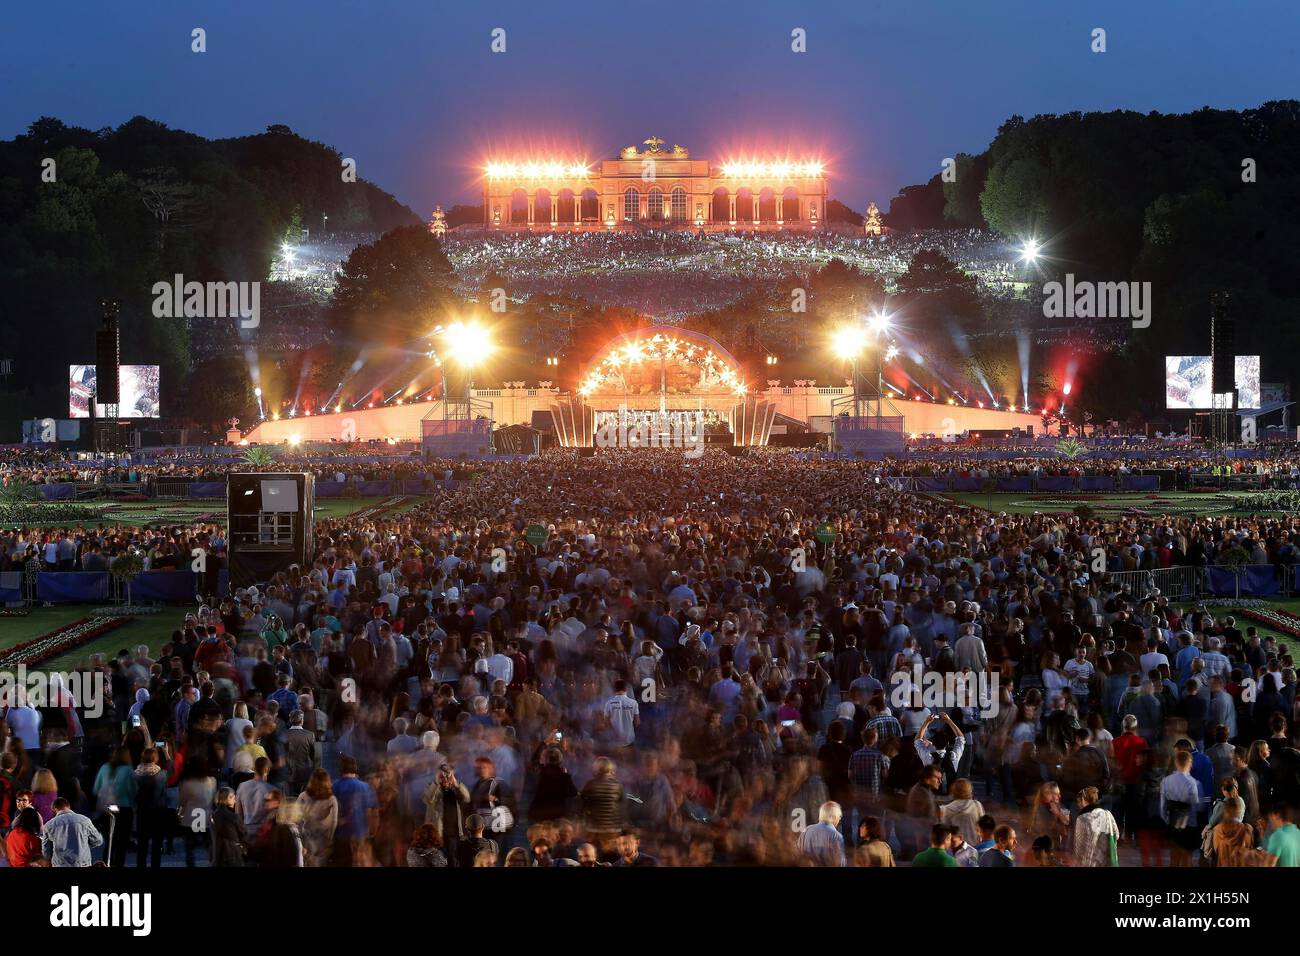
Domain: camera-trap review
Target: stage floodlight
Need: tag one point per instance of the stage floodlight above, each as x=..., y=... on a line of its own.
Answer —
x=468, y=343
x=849, y=342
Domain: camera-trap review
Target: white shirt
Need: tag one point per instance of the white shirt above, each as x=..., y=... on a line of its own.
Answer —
x=1152, y=660
x=1079, y=674
x=622, y=711
x=501, y=667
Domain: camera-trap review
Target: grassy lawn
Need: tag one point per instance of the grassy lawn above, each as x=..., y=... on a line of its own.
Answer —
x=184, y=511
x=153, y=630
x=15, y=630
x=1286, y=604
x=1026, y=502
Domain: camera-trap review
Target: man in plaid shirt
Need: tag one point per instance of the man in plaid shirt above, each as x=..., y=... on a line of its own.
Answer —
x=882, y=721
x=868, y=767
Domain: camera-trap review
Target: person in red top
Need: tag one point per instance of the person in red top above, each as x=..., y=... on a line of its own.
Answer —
x=23, y=844
x=519, y=673
x=211, y=651
x=1127, y=746
x=9, y=788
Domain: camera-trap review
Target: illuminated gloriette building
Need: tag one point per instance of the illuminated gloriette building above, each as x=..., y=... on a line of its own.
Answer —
x=658, y=186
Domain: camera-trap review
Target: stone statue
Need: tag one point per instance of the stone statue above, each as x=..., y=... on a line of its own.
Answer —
x=655, y=144
x=681, y=152
x=871, y=224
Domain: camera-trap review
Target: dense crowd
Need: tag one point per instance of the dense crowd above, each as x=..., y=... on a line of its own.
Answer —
x=685, y=673
x=1280, y=471
x=928, y=456
x=674, y=274
x=353, y=462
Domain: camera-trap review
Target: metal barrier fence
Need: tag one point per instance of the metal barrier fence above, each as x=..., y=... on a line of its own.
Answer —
x=1136, y=583
x=173, y=487
x=1225, y=581
x=1177, y=584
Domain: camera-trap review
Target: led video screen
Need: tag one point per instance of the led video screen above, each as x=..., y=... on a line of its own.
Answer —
x=137, y=390
x=1187, y=381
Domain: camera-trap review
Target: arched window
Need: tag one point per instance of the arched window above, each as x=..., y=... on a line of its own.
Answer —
x=631, y=204
x=679, y=211
x=655, y=204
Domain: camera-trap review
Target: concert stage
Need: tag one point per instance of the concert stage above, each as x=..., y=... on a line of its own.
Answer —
x=660, y=374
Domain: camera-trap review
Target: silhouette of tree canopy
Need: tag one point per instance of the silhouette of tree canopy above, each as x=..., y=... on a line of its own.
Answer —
x=394, y=289
x=134, y=205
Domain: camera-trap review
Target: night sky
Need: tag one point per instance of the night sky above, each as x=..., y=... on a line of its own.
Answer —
x=412, y=91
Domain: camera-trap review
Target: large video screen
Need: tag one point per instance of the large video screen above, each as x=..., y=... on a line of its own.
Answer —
x=137, y=391
x=1187, y=381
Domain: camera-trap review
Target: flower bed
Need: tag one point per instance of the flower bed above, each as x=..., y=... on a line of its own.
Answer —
x=46, y=513
x=1112, y=506
x=1275, y=619
x=1056, y=496
x=1267, y=501
x=59, y=641
x=379, y=510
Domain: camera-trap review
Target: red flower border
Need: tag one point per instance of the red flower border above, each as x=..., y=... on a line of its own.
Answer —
x=1284, y=622
x=72, y=641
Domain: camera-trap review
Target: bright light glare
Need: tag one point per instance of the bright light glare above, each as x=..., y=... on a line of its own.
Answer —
x=258, y=391
x=547, y=170
x=878, y=323
x=1029, y=251
x=891, y=353
x=468, y=343
x=1068, y=387
x=780, y=170
x=849, y=342
x=295, y=439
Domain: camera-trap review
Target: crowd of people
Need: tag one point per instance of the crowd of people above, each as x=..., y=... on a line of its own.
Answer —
x=927, y=456
x=338, y=461
x=679, y=273
x=685, y=672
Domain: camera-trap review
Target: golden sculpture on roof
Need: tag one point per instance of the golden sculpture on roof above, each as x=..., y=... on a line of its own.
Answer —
x=654, y=146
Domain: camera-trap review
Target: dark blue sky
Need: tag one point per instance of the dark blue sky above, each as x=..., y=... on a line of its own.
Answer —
x=412, y=92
